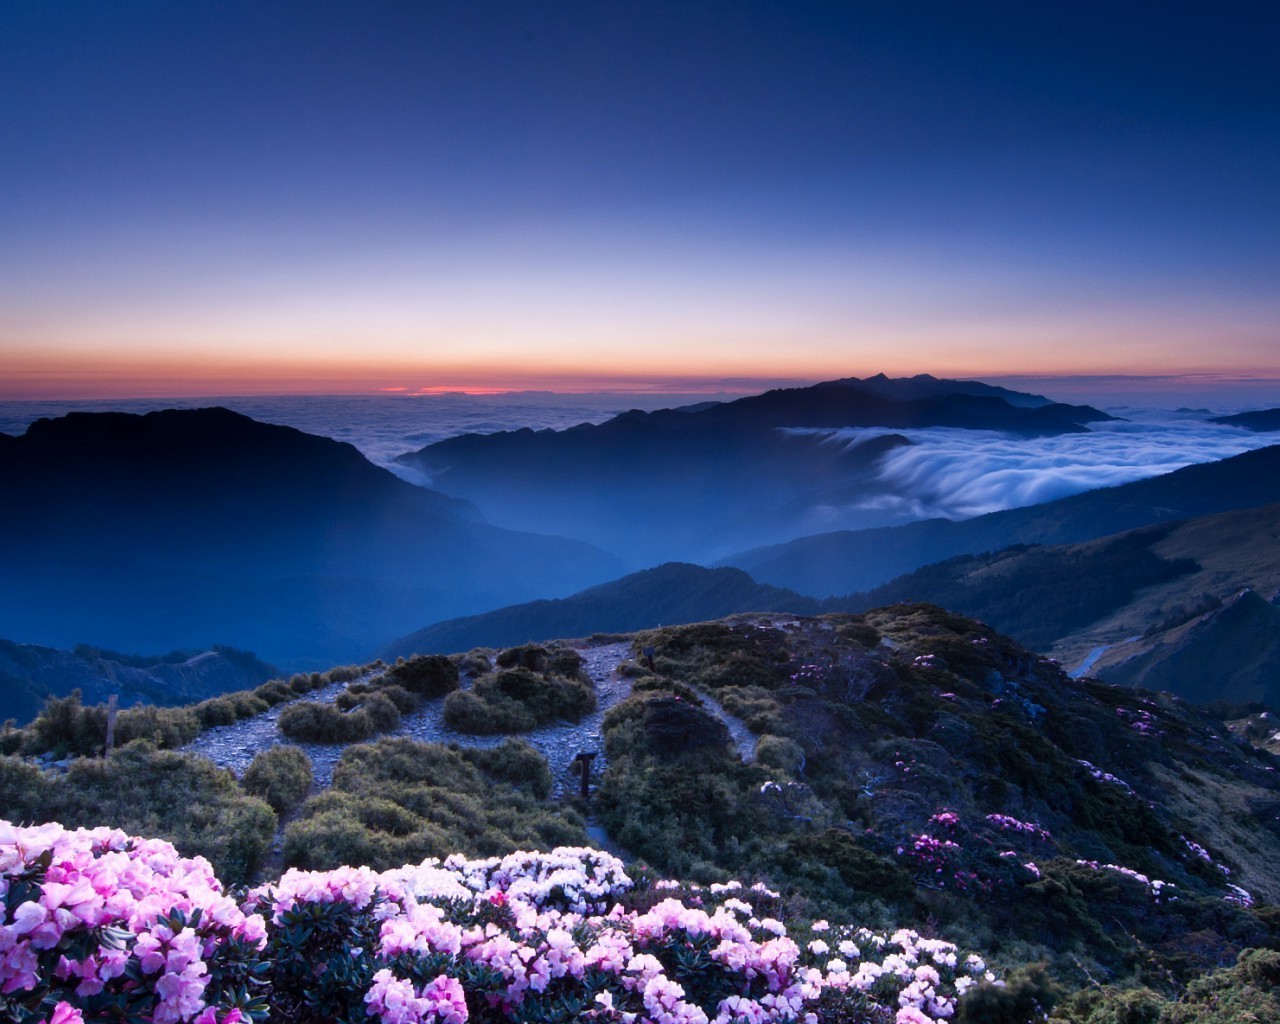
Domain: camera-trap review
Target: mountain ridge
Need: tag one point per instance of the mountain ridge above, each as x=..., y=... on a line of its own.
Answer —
x=841, y=562
x=183, y=528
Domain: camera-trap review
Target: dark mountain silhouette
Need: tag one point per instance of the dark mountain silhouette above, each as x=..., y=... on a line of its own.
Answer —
x=672, y=593
x=697, y=483
x=1262, y=421
x=846, y=561
x=186, y=528
x=30, y=674
x=1230, y=653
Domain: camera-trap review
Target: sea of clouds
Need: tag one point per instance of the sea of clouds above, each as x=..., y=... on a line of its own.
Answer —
x=944, y=472
x=956, y=473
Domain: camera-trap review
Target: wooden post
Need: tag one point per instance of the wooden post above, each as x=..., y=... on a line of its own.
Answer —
x=648, y=658
x=112, y=707
x=584, y=760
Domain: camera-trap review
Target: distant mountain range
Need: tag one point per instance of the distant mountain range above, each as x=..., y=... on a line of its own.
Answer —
x=1182, y=606
x=1262, y=421
x=30, y=674
x=846, y=561
x=697, y=483
x=192, y=527
x=672, y=593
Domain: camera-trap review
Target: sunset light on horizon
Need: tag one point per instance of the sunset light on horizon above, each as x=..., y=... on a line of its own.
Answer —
x=486, y=198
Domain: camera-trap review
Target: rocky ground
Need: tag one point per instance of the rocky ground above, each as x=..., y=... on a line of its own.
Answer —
x=234, y=746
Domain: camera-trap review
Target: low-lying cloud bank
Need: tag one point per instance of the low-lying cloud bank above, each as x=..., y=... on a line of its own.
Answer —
x=957, y=474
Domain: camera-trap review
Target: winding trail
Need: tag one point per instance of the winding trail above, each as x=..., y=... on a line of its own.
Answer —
x=1092, y=657
x=234, y=746
x=743, y=738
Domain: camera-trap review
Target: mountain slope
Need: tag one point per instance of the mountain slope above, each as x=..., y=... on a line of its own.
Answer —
x=846, y=561
x=186, y=528
x=1263, y=420
x=670, y=593
x=697, y=483
x=1230, y=653
x=29, y=674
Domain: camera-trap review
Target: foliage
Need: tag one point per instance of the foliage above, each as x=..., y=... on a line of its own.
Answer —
x=280, y=775
x=532, y=686
x=184, y=799
x=108, y=926
x=915, y=758
x=424, y=675
x=398, y=800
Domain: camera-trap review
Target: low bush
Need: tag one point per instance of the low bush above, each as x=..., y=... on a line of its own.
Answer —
x=187, y=800
x=518, y=700
x=309, y=722
x=429, y=675
x=397, y=800
x=280, y=775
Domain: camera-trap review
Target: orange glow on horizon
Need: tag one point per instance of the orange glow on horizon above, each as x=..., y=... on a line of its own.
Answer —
x=91, y=375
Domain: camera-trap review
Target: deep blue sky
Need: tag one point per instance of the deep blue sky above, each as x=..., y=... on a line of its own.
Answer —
x=412, y=194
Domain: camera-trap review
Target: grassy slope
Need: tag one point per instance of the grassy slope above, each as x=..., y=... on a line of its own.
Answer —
x=866, y=742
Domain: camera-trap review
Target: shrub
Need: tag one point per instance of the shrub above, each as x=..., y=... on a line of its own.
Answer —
x=179, y=797
x=406, y=702
x=467, y=711
x=309, y=722
x=780, y=753
x=66, y=726
x=218, y=711
x=280, y=775
x=382, y=712
x=398, y=800
x=517, y=700
x=275, y=691
x=427, y=675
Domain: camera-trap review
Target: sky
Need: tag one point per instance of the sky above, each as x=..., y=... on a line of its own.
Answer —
x=260, y=197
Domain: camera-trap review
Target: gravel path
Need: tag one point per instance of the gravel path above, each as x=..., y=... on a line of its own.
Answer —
x=234, y=746
x=743, y=738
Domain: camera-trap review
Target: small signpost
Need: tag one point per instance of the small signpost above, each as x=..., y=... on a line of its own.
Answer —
x=584, y=760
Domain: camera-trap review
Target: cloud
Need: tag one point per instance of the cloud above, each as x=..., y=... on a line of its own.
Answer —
x=961, y=473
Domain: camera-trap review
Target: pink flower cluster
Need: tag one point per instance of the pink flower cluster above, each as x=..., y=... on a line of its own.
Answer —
x=1006, y=823
x=512, y=935
x=96, y=913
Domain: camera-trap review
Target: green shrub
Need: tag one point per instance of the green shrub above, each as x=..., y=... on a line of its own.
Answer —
x=406, y=702
x=275, y=691
x=218, y=711
x=469, y=712
x=66, y=726
x=280, y=775
x=347, y=701
x=397, y=801
x=247, y=704
x=382, y=712
x=167, y=728
x=518, y=700
x=310, y=722
x=780, y=753
x=427, y=675
x=187, y=800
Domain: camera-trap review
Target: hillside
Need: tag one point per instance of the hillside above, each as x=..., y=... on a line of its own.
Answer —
x=30, y=674
x=1262, y=420
x=181, y=529
x=907, y=765
x=847, y=561
x=697, y=483
x=672, y=593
